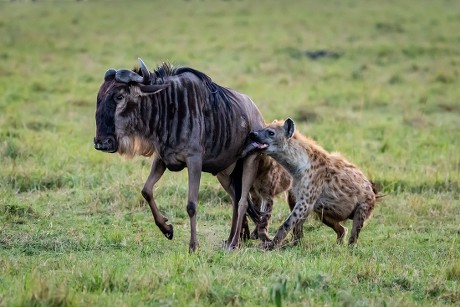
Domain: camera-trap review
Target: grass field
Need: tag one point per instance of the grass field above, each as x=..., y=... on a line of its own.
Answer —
x=74, y=229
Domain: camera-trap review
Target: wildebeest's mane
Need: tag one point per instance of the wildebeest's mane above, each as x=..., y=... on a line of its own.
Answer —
x=217, y=93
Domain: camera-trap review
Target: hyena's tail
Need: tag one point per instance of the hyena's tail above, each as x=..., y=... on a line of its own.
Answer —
x=376, y=190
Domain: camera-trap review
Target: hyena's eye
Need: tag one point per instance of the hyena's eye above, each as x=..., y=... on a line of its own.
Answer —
x=271, y=133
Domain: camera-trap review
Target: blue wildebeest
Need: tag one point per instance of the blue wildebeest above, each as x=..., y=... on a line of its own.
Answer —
x=186, y=121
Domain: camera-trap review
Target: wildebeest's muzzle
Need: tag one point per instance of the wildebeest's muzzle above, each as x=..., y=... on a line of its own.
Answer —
x=107, y=144
x=105, y=139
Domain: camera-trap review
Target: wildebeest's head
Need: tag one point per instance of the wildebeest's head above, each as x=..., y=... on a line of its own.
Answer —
x=122, y=89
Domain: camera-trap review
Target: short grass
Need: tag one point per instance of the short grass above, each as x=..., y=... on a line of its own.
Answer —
x=74, y=229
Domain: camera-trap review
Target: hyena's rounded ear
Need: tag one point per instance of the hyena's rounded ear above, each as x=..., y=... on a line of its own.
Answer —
x=289, y=128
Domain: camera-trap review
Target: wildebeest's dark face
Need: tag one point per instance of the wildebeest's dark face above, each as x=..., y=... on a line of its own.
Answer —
x=107, y=99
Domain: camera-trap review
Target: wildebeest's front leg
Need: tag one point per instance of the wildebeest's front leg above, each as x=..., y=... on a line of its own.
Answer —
x=158, y=168
x=194, y=176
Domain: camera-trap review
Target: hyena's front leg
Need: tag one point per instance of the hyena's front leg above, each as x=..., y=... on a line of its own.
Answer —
x=298, y=214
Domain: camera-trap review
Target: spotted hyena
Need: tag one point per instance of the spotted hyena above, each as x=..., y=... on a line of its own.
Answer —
x=271, y=179
x=326, y=183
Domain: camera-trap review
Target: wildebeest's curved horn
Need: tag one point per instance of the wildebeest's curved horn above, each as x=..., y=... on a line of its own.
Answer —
x=126, y=76
x=109, y=74
x=145, y=71
x=153, y=88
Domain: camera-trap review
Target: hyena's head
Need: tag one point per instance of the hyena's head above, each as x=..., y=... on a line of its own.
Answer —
x=273, y=138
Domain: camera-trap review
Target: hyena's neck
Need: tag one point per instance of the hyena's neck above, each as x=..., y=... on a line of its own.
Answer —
x=300, y=156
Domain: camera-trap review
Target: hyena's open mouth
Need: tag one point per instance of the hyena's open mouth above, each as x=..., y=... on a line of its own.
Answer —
x=256, y=141
x=253, y=145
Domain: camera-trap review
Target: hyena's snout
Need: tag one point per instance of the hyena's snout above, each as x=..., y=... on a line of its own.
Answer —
x=257, y=140
x=254, y=135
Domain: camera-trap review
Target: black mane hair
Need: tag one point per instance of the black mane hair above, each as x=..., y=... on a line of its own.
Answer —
x=217, y=92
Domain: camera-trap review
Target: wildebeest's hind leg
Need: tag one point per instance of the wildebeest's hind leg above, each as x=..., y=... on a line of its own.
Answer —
x=250, y=165
x=194, y=176
x=158, y=168
x=226, y=182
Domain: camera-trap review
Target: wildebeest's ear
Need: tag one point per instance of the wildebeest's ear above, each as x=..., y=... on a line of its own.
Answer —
x=110, y=74
x=289, y=128
x=153, y=88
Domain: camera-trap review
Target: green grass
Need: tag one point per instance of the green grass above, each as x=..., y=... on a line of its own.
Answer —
x=74, y=229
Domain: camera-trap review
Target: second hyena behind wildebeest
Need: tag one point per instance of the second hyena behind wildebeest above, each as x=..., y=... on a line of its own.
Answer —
x=271, y=179
x=326, y=183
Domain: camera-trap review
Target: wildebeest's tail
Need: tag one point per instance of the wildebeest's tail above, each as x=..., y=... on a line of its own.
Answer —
x=236, y=182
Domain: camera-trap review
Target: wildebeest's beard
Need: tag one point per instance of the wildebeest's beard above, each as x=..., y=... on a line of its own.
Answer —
x=105, y=139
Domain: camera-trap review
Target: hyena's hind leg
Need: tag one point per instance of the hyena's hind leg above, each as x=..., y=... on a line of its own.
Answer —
x=340, y=230
x=265, y=206
x=362, y=213
x=262, y=226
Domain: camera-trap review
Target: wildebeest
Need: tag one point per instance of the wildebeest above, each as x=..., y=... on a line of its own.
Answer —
x=185, y=120
x=322, y=182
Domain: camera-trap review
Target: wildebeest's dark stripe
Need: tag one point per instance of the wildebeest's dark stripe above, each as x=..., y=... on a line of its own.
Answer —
x=214, y=125
x=181, y=114
x=200, y=100
x=146, y=116
x=193, y=105
x=170, y=106
x=162, y=116
x=190, y=108
x=226, y=113
x=153, y=116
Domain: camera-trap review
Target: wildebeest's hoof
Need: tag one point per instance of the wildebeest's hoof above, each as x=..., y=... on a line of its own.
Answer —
x=232, y=247
x=193, y=247
x=169, y=233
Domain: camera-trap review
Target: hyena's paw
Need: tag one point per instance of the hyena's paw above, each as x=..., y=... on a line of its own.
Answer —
x=254, y=235
x=267, y=245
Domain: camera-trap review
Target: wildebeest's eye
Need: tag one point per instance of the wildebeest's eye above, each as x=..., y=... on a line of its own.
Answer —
x=271, y=133
x=119, y=97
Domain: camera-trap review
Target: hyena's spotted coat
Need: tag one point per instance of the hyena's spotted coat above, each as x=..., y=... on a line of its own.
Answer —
x=326, y=183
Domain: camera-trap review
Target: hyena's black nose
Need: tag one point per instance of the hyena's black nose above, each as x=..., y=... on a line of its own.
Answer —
x=253, y=135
